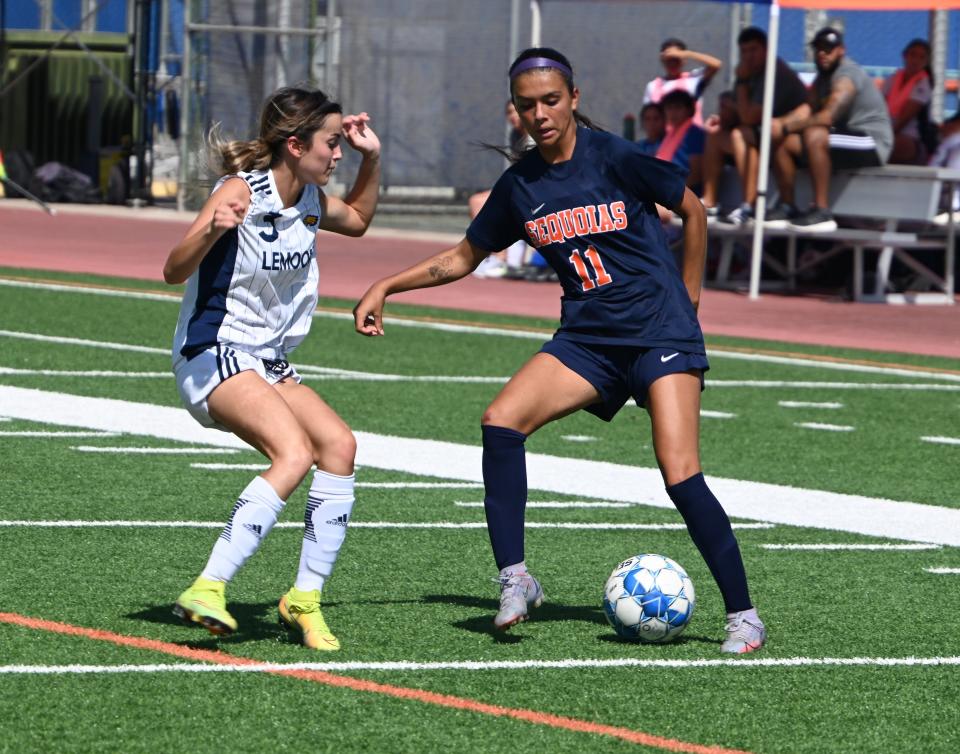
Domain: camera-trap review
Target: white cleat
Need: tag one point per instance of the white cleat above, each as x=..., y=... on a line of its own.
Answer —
x=744, y=634
x=518, y=593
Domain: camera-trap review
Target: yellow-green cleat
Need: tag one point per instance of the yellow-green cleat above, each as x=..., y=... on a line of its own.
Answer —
x=204, y=603
x=300, y=614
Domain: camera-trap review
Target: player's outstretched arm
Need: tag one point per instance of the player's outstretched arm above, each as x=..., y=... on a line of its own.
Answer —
x=440, y=269
x=352, y=215
x=225, y=209
x=694, y=218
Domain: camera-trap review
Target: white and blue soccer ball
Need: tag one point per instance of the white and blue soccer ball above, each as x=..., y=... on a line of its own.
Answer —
x=649, y=598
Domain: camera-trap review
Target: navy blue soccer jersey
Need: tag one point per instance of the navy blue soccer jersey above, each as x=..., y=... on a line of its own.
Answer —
x=593, y=219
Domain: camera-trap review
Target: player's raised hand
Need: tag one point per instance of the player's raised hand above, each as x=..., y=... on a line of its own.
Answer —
x=228, y=215
x=368, y=313
x=359, y=135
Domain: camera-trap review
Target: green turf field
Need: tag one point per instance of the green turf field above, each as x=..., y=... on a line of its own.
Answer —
x=863, y=654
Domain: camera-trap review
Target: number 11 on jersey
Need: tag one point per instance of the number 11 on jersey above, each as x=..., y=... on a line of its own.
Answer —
x=600, y=275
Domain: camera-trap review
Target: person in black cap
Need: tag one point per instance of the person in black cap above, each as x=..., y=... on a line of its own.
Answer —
x=848, y=128
x=673, y=55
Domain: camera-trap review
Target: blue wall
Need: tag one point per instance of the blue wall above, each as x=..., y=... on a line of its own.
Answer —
x=25, y=14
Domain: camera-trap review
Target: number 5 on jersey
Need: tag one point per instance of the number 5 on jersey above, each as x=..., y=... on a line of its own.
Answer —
x=600, y=275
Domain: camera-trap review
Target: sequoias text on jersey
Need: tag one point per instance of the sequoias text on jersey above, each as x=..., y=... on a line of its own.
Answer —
x=579, y=221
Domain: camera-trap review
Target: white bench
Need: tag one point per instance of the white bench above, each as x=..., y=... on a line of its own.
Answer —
x=893, y=194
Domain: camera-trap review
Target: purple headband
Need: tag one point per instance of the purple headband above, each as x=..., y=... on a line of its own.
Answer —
x=531, y=63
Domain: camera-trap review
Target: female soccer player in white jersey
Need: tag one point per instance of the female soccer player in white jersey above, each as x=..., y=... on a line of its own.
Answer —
x=587, y=200
x=251, y=274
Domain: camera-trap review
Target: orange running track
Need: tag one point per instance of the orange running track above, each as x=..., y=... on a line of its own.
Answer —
x=134, y=243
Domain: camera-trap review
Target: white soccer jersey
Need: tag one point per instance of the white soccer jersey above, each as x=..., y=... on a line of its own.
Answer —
x=256, y=288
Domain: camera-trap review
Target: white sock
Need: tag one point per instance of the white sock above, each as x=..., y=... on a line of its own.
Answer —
x=251, y=520
x=748, y=615
x=519, y=569
x=329, y=504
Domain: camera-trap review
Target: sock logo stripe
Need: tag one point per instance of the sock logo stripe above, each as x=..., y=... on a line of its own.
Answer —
x=228, y=529
x=309, y=532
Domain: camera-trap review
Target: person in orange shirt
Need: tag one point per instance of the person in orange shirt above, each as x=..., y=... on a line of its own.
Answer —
x=908, y=93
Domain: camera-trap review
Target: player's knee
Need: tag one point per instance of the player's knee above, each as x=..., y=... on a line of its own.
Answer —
x=338, y=452
x=495, y=416
x=296, y=456
x=679, y=470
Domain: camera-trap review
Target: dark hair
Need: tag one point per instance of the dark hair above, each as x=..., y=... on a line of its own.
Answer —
x=558, y=57
x=752, y=34
x=672, y=42
x=727, y=94
x=679, y=97
x=651, y=106
x=290, y=111
x=918, y=42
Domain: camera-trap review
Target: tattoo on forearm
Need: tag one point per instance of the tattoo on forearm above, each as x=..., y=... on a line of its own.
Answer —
x=440, y=269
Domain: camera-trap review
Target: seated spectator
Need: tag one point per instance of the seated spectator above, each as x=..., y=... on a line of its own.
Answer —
x=789, y=100
x=673, y=55
x=849, y=128
x=723, y=146
x=908, y=93
x=499, y=264
x=947, y=155
x=684, y=140
x=654, y=127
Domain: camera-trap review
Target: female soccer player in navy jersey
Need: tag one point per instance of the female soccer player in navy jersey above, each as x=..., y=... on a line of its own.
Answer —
x=586, y=200
x=251, y=274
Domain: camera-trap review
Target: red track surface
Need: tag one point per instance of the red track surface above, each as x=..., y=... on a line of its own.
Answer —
x=125, y=243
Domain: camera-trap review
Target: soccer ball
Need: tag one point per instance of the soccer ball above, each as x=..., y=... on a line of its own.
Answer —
x=648, y=598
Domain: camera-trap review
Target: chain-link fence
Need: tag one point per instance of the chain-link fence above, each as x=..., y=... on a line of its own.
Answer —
x=431, y=73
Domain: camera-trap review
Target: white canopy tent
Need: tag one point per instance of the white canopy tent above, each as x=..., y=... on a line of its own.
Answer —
x=938, y=44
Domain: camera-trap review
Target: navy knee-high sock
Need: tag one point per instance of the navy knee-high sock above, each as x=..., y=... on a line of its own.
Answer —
x=710, y=531
x=505, y=482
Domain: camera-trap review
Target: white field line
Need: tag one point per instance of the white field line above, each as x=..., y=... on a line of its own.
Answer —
x=231, y=466
x=173, y=297
x=713, y=353
x=578, y=438
x=952, y=571
x=942, y=440
x=826, y=427
x=332, y=373
x=479, y=330
x=320, y=372
x=26, y=433
x=554, y=504
x=118, y=524
x=841, y=546
x=156, y=451
x=806, y=384
x=567, y=664
x=62, y=340
x=421, y=485
x=716, y=414
x=809, y=404
x=574, y=477
x=84, y=373
x=4, y=418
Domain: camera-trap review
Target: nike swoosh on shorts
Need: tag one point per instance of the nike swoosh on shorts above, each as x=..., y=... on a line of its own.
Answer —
x=665, y=359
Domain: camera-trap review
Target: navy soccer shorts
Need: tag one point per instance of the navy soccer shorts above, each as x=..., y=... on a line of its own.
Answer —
x=622, y=372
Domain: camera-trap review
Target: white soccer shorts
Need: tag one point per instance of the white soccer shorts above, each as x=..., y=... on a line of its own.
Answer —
x=197, y=377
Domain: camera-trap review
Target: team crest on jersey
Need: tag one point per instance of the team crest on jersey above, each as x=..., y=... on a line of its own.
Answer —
x=311, y=220
x=579, y=221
